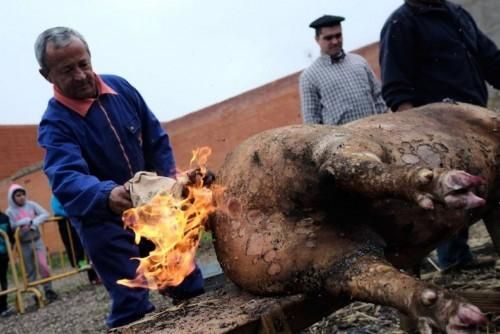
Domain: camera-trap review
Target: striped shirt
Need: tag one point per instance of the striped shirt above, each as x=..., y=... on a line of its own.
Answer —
x=341, y=92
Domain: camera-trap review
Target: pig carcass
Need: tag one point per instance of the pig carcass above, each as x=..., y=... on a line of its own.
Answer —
x=339, y=210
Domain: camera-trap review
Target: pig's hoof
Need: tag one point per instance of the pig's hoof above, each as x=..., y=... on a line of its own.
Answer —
x=424, y=177
x=424, y=326
x=466, y=320
x=467, y=200
x=457, y=189
x=460, y=190
x=453, y=317
x=425, y=201
x=429, y=297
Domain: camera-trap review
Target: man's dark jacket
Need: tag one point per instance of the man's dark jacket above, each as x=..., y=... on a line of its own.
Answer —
x=429, y=53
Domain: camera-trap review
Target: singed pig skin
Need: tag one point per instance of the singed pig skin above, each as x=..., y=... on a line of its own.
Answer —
x=312, y=208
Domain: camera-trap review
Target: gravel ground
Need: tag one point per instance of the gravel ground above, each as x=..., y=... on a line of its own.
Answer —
x=82, y=307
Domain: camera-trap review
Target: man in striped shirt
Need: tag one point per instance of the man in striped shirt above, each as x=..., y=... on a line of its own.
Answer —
x=337, y=88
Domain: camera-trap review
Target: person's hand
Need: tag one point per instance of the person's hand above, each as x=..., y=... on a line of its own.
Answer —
x=24, y=221
x=119, y=200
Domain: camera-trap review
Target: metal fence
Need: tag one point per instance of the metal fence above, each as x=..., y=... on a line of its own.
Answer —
x=17, y=268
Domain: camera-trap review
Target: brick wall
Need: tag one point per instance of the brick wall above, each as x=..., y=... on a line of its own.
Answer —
x=18, y=147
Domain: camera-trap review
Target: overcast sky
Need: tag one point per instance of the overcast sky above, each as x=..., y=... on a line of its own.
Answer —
x=182, y=55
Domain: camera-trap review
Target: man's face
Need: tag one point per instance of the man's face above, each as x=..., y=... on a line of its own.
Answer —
x=69, y=69
x=330, y=40
x=20, y=197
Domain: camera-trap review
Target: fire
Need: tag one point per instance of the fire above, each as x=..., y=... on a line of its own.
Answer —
x=174, y=225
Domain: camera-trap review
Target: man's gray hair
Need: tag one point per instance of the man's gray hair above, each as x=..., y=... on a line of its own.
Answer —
x=60, y=37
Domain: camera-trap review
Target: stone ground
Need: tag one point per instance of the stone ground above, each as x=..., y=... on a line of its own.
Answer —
x=82, y=307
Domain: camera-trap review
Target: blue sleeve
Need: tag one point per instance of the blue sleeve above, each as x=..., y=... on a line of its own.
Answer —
x=82, y=194
x=397, y=60
x=158, y=153
x=57, y=208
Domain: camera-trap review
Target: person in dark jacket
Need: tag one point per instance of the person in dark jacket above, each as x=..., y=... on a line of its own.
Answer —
x=97, y=132
x=4, y=262
x=432, y=50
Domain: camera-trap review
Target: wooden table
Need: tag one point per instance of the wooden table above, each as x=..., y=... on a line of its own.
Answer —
x=231, y=310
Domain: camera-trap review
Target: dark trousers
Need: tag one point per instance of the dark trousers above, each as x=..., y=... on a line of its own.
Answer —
x=111, y=247
x=4, y=265
x=66, y=230
x=455, y=250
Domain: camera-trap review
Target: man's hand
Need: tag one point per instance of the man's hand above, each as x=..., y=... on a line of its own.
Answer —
x=119, y=200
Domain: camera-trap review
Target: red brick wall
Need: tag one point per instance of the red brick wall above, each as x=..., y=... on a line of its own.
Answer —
x=221, y=126
x=225, y=125
x=18, y=147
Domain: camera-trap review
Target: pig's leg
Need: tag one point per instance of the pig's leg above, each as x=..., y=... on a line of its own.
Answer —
x=374, y=280
x=366, y=174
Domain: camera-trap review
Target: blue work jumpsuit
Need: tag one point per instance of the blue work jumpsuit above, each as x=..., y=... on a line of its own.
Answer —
x=86, y=157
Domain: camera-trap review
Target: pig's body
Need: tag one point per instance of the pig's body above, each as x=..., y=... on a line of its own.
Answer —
x=329, y=209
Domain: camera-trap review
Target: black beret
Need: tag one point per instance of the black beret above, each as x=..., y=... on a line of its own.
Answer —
x=326, y=21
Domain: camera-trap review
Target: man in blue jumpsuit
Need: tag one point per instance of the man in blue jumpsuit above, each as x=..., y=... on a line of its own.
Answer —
x=98, y=132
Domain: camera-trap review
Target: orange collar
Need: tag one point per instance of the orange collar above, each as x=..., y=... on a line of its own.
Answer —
x=81, y=107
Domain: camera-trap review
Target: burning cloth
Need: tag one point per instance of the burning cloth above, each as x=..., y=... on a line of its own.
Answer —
x=145, y=185
x=172, y=214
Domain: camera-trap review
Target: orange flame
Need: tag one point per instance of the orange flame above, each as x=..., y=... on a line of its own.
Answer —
x=174, y=225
